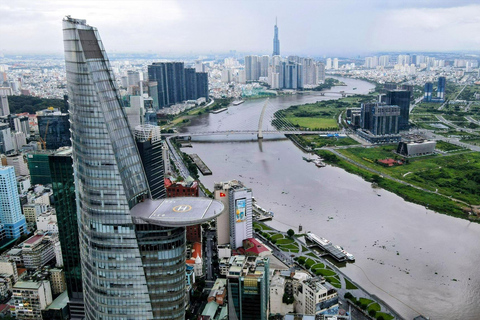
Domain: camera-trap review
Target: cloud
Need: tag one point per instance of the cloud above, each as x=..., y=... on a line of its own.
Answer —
x=454, y=28
x=306, y=27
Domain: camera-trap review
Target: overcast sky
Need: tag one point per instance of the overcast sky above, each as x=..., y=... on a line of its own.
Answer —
x=314, y=28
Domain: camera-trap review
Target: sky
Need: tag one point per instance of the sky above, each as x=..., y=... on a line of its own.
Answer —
x=306, y=27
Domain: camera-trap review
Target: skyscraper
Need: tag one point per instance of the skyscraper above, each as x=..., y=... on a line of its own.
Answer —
x=61, y=168
x=12, y=220
x=202, y=85
x=428, y=92
x=276, y=41
x=441, y=88
x=400, y=98
x=132, y=248
x=54, y=128
x=109, y=181
x=149, y=144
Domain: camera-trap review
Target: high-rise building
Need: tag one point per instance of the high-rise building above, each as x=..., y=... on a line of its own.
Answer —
x=264, y=63
x=321, y=72
x=11, y=216
x=149, y=144
x=235, y=226
x=328, y=64
x=202, y=85
x=252, y=67
x=39, y=167
x=4, y=108
x=132, y=248
x=441, y=88
x=248, y=287
x=400, y=98
x=6, y=142
x=170, y=78
x=54, y=128
x=133, y=78
x=335, y=63
x=61, y=168
x=190, y=84
x=276, y=41
x=109, y=181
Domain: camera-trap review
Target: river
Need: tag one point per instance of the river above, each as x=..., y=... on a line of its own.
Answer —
x=414, y=259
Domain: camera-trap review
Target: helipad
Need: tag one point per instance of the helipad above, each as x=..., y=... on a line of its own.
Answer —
x=176, y=212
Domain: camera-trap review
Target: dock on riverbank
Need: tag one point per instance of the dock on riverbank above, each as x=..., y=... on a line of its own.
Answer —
x=200, y=164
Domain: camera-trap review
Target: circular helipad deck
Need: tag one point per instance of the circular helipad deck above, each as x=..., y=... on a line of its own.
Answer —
x=177, y=212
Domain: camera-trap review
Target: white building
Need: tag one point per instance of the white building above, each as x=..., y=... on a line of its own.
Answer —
x=19, y=163
x=335, y=63
x=313, y=298
x=32, y=210
x=30, y=298
x=277, y=289
x=47, y=222
x=235, y=226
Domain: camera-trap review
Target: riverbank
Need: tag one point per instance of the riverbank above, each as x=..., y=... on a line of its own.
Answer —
x=294, y=252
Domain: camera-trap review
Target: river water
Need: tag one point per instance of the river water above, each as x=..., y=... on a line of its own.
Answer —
x=416, y=260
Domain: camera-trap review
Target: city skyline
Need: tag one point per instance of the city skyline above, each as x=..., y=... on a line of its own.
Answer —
x=328, y=28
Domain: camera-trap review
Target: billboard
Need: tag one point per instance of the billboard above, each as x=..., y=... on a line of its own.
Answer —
x=240, y=210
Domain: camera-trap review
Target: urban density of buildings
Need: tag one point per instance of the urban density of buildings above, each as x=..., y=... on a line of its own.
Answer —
x=97, y=220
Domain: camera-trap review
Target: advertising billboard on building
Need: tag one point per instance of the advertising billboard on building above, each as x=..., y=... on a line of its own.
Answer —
x=240, y=210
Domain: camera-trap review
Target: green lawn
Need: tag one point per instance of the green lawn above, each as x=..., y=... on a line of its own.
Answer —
x=365, y=301
x=374, y=306
x=334, y=281
x=318, y=266
x=285, y=241
x=277, y=236
x=349, y=285
x=385, y=316
x=313, y=123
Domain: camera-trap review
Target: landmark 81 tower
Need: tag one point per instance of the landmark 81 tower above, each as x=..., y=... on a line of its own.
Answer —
x=133, y=267
x=276, y=41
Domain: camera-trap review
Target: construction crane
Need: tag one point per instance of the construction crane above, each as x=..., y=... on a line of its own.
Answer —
x=43, y=140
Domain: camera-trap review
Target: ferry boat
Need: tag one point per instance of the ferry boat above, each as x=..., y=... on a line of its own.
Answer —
x=308, y=159
x=236, y=103
x=350, y=256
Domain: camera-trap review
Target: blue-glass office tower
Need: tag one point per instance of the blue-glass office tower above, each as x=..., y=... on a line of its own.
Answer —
x=276, y=41
x=428, y=92
x=400, y=98
x=11, y=216
x=441, y=88
x=54, y=128
x=130, y=270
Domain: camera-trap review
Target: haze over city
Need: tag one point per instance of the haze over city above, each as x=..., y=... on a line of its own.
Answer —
x=314, y=28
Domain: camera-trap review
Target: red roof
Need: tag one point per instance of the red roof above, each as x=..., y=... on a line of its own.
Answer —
x=257, y=247
x=34, y=239
x=196, y=250
x=167, y=182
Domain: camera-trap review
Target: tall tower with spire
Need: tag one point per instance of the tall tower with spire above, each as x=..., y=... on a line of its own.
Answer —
x=276, y=42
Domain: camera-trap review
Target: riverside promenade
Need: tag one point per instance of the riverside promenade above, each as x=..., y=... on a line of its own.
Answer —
x=293, y=252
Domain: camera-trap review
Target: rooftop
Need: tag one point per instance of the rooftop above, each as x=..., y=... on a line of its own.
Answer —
x=175, y=212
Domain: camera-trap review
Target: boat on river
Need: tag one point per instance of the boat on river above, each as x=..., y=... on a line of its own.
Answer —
x=237, y=102
x=350, y=256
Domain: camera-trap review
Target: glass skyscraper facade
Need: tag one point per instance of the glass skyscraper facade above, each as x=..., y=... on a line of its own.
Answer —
x=130, y=269
x=109, y=181
x=61, y=168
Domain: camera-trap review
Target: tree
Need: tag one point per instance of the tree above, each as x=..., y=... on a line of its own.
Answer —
x=372, y=313
x=287, y=298
x=290, y=233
